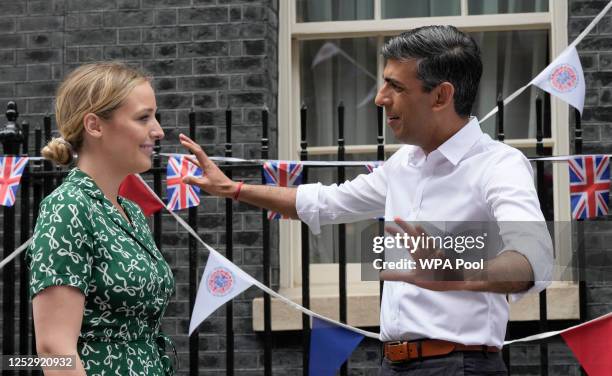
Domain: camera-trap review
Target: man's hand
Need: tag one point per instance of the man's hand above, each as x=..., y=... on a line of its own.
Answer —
x=509, y=272
x=431, y=279
x=216, y=183
x=213, y=180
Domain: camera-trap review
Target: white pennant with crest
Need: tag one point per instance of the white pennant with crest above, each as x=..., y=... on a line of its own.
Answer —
x=564, y=79
x=222, y=281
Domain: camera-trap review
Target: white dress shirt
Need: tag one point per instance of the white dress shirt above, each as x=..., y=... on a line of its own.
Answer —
x=468, y=178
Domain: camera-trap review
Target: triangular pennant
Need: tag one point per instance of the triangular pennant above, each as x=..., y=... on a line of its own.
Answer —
x=134, y=189
x=222, y=281
x=591, y=344
x=11, y=169
x=282, y=174
x=330, y=347
x=589, y=185
x=181, y=195
x=564, y=79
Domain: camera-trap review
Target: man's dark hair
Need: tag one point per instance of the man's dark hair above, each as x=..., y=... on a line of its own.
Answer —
x=443, y=54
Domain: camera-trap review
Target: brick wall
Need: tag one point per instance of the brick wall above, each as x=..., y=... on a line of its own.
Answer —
x=205, y=55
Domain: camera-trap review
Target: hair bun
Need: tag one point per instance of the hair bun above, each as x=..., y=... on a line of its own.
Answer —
x=59, y=150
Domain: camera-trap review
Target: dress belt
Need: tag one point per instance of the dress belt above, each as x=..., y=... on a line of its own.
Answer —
x=401, y=351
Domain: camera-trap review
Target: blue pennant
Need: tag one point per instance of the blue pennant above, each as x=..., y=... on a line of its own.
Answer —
x=330, y=347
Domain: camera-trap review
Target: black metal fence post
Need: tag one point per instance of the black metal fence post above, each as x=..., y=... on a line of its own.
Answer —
x=582, y=295
x=500, y=119
x=580, y=228
x=10, y=137
x=543, y=322
x=157, y=187
x=500, y=138
x=305, y=250
x=37, y=192
x=24, y=296
x=48, y=166
x=266, y=255
x=194, y=339
x=229, y=252
x=342, y=232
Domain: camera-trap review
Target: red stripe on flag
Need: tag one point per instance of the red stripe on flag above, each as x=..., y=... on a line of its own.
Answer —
x=182, y=186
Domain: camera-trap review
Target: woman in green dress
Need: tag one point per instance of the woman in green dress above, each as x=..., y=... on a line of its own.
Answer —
x=99, y=285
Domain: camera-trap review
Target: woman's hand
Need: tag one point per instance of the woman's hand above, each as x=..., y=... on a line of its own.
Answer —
x=213, y=180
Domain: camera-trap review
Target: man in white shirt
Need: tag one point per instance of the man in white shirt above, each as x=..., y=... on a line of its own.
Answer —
x=448, y=171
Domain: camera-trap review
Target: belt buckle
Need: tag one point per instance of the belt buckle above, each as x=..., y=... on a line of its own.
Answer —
x=394, y=352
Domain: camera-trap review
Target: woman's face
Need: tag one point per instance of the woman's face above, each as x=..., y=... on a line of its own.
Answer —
x=129, y=135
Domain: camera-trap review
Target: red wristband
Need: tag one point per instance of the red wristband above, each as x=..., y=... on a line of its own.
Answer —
x=238, y=190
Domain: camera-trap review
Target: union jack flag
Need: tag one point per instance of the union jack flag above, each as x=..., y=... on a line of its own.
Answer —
x=589, y=185
x=11, y=169
x=370, y=166
x=282, y=174
x=180, y=195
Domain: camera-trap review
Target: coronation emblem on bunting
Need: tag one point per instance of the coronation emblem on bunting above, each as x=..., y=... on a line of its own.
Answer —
x=564, y=78
x=282, y=174
x=220, y=282
x=11, y=169
x=589, y=185
x=180, y=195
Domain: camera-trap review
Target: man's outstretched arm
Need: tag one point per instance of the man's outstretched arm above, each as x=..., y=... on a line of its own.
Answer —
x=216, y=183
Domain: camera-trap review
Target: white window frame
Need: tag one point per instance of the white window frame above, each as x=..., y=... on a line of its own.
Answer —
x=324, y=277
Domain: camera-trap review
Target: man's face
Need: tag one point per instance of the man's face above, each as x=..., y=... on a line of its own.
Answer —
x=407, y=106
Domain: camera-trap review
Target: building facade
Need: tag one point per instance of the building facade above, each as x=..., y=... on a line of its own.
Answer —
x=246, y=55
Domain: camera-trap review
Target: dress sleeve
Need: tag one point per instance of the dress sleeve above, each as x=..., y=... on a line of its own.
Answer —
x=62, y=244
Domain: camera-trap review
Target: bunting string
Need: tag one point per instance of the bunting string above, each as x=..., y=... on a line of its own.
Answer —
x=541, y=336
x=559, y=158
x=263, y=287
x=15, y=253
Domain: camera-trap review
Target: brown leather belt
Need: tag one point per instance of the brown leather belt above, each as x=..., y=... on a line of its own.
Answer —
x=401, y=351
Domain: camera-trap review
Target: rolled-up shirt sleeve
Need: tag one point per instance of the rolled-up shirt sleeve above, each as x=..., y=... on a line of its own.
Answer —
x=512, y=197
x=360, y=198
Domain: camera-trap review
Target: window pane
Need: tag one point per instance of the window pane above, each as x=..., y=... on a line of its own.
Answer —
x=334, y=71
x=506, y=6
x=510, y=60
x=334, y=10
x=324, y=247
x=420, y=8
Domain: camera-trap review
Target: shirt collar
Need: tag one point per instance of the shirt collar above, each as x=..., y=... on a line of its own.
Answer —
x=456, y=147
x=83, y=181
x=77, y=177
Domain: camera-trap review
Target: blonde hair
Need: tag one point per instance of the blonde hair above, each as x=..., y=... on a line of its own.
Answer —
x=98, y=88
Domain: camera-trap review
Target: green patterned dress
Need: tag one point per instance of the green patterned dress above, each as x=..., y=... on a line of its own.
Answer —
x=82, y=240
